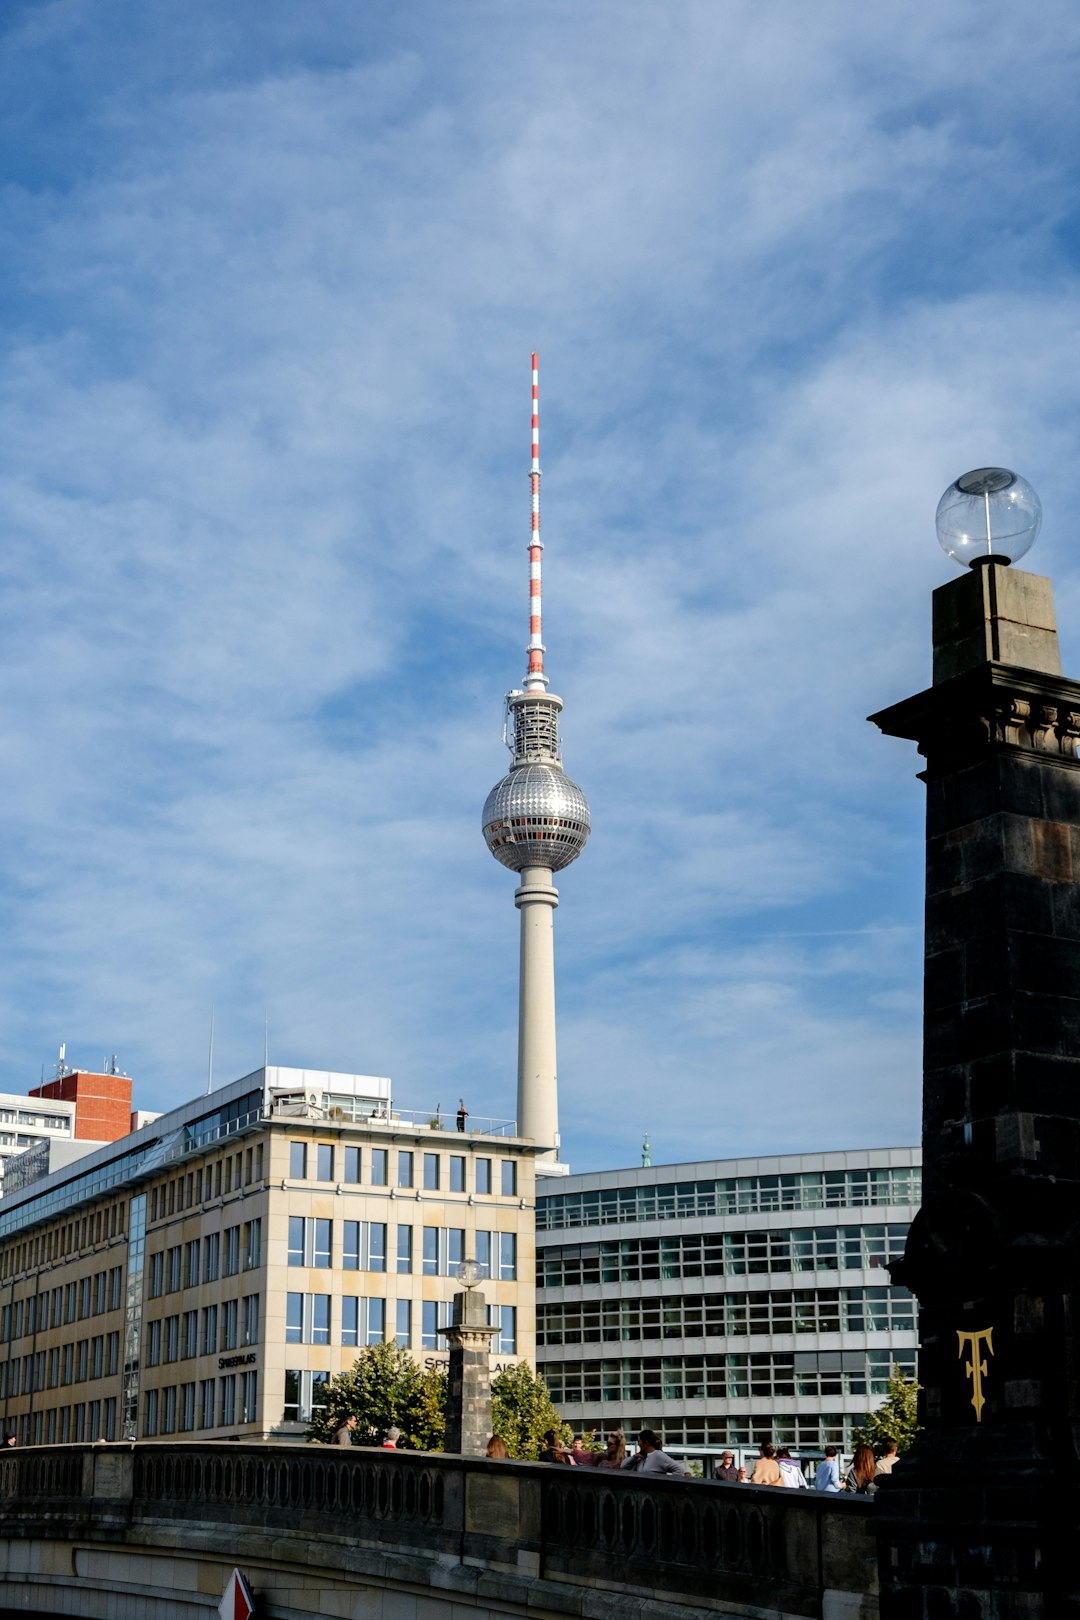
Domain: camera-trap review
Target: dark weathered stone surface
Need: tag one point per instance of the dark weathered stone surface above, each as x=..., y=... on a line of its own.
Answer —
x=982, y=1516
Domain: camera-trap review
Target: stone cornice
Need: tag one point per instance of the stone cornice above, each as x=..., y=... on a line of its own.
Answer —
x=994, y=706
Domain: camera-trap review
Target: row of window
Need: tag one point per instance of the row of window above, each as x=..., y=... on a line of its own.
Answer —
x=88, y=1420
x=203, y=1333
x=217, y=1179
x=309, y=1319
x=23, y=1116
x=218, y=1254
x=697, y=1316
x=207, y=1403
x=775, y=1374
x=91, y=1295
x=447, y=1172
x=73, y=1363
x=60, y=1242
x=720, y=1254
x=732, y=1195
x=805, y=1432
x=313, y=1242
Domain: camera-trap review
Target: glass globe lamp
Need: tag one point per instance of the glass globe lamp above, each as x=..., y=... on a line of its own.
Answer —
x=469, y=1272
x=988, y=515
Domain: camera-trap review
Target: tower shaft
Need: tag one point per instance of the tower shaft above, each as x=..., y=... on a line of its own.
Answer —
x=537, y=1077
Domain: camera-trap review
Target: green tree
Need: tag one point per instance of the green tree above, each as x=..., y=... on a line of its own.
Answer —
x=895, y=1419
x=522, y=1413
x=384, y=1387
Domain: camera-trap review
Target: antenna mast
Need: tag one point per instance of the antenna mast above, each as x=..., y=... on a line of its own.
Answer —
x=535, y=680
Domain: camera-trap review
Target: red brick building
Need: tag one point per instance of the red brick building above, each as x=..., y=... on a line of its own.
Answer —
x=102, y=1103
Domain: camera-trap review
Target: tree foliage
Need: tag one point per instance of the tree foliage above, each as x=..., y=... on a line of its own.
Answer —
x=384, y=1387
x=522, y=1413
x=895, y=1419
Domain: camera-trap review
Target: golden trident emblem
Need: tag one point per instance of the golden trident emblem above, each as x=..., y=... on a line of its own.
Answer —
x=975, y=1369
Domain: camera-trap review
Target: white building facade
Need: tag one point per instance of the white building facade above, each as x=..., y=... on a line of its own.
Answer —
x=727, y=1301
x=26, y=1121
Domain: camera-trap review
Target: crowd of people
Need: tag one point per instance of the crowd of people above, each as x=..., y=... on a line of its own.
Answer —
x=774, y=1465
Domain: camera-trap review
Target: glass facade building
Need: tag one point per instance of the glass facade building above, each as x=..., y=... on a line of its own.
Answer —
x=730, y=1301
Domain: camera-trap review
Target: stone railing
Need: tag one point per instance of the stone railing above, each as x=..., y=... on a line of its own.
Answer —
x=501, y=1532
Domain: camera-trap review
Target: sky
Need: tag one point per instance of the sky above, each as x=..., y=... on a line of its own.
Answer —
x=271, y=278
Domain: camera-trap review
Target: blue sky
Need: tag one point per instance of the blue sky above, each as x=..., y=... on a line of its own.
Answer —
x=272, y=275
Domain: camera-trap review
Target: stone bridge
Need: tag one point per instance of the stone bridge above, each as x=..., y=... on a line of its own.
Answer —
x=152, y=1531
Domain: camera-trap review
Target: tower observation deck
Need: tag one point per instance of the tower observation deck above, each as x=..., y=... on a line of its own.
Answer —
x=536, y=821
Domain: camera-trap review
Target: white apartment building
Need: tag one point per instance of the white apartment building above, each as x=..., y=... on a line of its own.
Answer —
x=727, y=1301
x=26, y=1121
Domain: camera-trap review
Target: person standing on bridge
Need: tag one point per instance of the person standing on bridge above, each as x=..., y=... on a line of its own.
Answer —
x=651, y=1458
x=392, y=1437
x=766, y=1469
x=343, y=1434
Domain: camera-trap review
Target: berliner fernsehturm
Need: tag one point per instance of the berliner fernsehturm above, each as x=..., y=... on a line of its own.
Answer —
x=536, y=821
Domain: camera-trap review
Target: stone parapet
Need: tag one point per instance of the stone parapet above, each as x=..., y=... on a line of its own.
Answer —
x=504, y=1538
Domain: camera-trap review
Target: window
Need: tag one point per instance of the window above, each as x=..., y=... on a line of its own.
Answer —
x=230, y=1312
x=483, y=1175
x=187, y=1406
x=310, y=1241
x=504, y=1318
x=455, y=1249
x=431, y=1251
x=157, y=1279
x=249, y=1397
x=115, y=1286
x=305, y=1394
x=206, y=1403
x=352, y=1164
x=153, y=1344
x=380, y=1167
x=350, y=1320
x=84, y=1292
x=307, y=1319
x=350, y=1253
x=404, y=1169
x=324, y=1161
x=171, y=1339
x=209, y=1333
x=376, y=1323
x=376, y=1234
x=508, y=1177
x=150, y=1414
x=404, y=1250
x=173, y=1271
x=99, y=1293
x=191, y=1264
x=168, y=1412
x=112, y=1354
x=211, y=1257
x=83, y=1360
x=189, y=1335
x=403, y=1334
x=482, y=1251
x=231, y=1261
x=364, y=1246
x=507, y=1257
x=431, y=1172
x=298, y=1161
x=251, y=1319
x=228, y=1401
x=457, y=1172
x=252, y=1244
x=433, y=1315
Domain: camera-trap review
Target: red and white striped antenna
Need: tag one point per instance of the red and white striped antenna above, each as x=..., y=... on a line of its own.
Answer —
x=535, y=680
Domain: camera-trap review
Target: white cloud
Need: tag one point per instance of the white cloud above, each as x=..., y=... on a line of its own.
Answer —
x=262, y=454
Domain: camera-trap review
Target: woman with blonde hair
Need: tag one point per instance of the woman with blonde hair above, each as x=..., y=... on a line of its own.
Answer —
x=496, y=1449
x=614, y=1452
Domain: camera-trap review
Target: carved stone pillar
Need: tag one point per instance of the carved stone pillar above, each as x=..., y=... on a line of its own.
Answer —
x=468, y=1393
x=980, y=1518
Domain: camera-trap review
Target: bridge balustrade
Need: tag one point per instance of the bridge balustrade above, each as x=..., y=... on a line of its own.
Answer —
x=496, y=1529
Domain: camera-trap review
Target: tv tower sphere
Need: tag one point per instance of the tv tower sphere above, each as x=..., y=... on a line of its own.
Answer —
x=536, y=821
x=536, y=816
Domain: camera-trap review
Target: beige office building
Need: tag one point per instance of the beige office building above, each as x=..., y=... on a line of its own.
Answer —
x=207, y=1274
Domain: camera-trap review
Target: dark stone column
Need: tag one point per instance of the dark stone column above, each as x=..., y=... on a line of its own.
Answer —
x=981, y=1518
x=468, y=1390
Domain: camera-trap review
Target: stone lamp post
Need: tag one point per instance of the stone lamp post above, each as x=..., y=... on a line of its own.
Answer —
x=468, y=1393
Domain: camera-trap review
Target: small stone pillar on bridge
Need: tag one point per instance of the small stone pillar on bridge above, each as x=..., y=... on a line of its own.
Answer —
x=980, y=1518
x=468, y=1392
